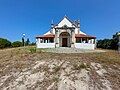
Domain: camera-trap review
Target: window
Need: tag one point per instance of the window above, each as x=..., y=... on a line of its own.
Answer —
x=78, y=40
x=83, y=40
x=86, y=40
x=51, y=40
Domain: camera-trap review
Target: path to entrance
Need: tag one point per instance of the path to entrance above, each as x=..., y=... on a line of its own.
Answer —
x=70, y=50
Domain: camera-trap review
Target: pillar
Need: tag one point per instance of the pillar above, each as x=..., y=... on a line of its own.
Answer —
x=39, y=40
x=81, y=40
x=56, y=38
x=73, y=38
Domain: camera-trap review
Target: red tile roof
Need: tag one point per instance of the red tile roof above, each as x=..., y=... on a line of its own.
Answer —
x=76, y=35
x=46, y=36
x=83, y=36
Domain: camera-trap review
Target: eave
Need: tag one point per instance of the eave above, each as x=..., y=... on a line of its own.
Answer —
x=46, y=36
x=84, y=36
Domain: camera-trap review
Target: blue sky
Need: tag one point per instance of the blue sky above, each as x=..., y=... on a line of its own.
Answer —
x=100, y=18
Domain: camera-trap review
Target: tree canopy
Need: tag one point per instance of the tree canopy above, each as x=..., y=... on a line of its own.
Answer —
x=4, y=43
x=16, y=44
x=108, y=43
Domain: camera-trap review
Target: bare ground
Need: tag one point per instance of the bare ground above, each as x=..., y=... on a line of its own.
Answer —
x=22, y=70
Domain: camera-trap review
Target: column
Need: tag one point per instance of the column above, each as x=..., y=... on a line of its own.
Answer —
x=73, y=38
x=56, y=38
x=81, y=40
x=39, y=40
x=92, y=41
x=45, y=40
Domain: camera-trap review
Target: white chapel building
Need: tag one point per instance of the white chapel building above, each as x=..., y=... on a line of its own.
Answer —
x=66, y=34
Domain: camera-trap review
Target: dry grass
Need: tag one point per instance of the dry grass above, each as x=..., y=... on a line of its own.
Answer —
x=18, y=59
x=23, y=55
x=110, y=57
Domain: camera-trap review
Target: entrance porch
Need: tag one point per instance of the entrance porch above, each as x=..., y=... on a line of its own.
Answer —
x=64, y=39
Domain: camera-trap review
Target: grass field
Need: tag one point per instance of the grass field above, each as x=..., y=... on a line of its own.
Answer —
x=29, y=69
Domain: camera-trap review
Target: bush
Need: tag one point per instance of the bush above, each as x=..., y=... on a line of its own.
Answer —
x=32, y=44
x=4, y=43
x=109, y=43
x=106, y=43
x=32, y=50
x=16, y=44
x=80, y=66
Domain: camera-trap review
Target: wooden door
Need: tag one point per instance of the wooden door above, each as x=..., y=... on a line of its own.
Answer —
x=64, y=42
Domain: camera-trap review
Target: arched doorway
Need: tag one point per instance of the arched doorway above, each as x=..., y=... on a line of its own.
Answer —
x=65, y=39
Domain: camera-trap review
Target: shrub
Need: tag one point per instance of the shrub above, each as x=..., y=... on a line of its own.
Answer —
x=79, y=66
x=32, y=44
x=32, y=50
x=109, y=43
x=16, y=44
x=106, y=43
x=27, y=42
x=57, y=68
x=4, y=43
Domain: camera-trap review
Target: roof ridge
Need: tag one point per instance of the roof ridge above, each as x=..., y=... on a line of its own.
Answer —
x=67, y=19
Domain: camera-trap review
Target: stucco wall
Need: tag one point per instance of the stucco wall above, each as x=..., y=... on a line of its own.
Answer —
x=45, y=45
x=85, y=46
x=65, y=21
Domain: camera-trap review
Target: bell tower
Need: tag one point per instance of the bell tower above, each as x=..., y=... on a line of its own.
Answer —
x=51, y=27
x=77, y=22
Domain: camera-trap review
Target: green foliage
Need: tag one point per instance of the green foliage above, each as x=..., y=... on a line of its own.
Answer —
x=32, y=50
x=27, y=42
x=55, y=79
x=16, y=44
x=79, y=66
x=56, y=68
x=114, y=43
x=22, y=41
x=108, y=43
x=4, y=43
x=32, y=44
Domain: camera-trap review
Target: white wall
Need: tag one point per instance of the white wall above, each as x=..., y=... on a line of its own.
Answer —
x=65, y=21
x=85, y=46
x=45, y=45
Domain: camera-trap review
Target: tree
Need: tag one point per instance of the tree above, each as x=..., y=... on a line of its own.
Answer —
x=106, y=43
x=17, y=44
x=27, y=42
x=99, y=43
x=23, y=41
x=4, y=43
x=114, y=43
x=109, y=43
x=33, y=43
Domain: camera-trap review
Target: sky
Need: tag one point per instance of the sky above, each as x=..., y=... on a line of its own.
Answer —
x=100, y=18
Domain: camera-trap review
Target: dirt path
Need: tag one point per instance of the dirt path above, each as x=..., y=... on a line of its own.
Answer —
x=56, y=75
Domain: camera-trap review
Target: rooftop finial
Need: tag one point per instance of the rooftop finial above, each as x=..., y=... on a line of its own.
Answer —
x=51, y=21
x=52, y=24
x=65, y=15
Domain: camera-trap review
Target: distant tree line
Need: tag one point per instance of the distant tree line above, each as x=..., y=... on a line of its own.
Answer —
x=4, y=43
x=108, y=43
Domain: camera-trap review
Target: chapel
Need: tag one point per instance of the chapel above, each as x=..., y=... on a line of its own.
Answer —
x=66, y=34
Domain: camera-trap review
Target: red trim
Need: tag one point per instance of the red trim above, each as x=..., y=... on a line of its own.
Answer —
x=46, y=36
x=83, y=36
x=76, y=36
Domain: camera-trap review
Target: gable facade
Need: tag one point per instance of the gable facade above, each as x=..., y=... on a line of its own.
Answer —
x=66, y=34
